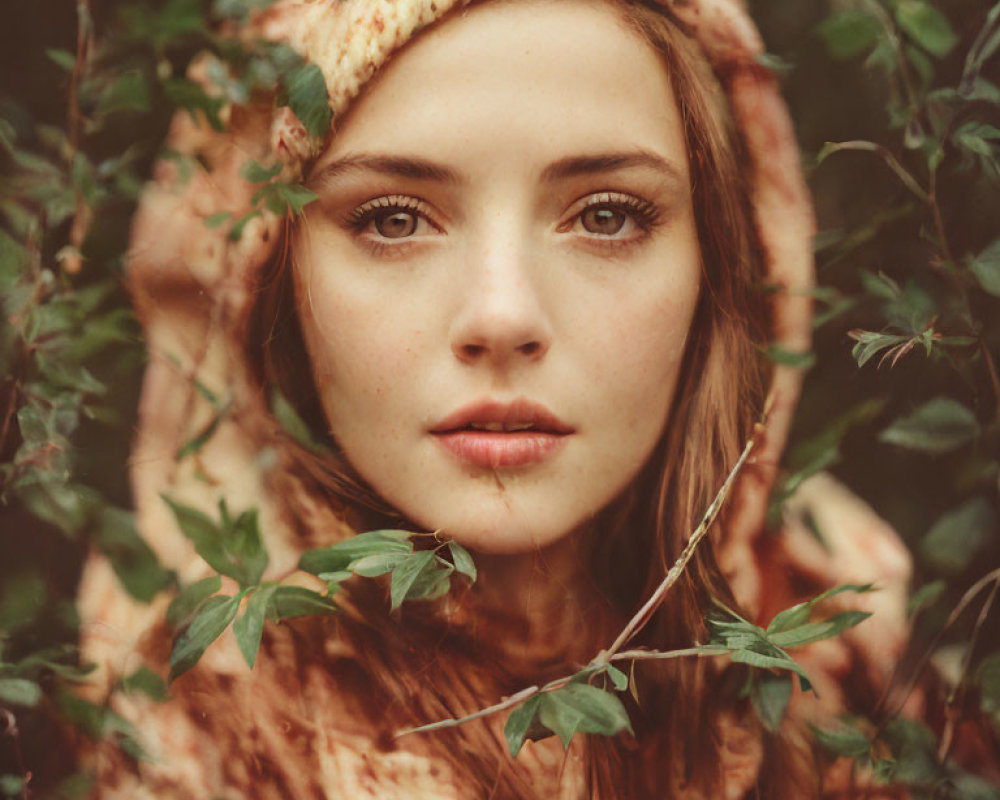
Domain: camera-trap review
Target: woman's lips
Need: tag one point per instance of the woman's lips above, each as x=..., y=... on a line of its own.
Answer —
x=493, y=435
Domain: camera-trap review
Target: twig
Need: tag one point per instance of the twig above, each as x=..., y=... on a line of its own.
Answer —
x=663, y=655
x=634, y=625
x=992, y=577
x=503, y=705
x=558, y=683
x=958, y=690
x=643, y=615
x=908, y=180
x=991, y=368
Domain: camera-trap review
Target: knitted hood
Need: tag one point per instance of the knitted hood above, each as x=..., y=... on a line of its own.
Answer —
x=194, y=286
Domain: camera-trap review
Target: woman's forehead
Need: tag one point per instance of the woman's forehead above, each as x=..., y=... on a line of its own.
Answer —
x=535, y=80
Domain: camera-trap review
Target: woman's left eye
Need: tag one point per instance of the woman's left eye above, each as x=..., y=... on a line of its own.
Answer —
x=612, y=215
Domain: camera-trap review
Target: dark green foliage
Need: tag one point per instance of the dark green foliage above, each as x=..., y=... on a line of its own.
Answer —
x=896, y=102
x=232, y=548
x=574, y=708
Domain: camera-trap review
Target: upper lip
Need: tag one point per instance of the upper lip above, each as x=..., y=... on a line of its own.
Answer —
x=520, y=412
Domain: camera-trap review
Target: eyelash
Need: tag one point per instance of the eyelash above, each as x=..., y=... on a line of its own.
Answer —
x=644, y=214
x=360, y=218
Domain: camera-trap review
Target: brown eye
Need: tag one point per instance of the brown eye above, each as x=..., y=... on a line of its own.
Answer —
x=396, y=225
x=603, y=220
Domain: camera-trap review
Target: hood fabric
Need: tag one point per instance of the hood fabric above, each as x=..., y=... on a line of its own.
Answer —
x=194, y=289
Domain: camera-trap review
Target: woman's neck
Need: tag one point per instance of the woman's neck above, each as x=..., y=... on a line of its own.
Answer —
x=541, y=606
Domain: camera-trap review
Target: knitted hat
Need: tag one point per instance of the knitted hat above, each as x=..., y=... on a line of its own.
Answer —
x=194, y=287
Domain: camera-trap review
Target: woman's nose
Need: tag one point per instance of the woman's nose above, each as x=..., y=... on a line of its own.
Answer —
x=501, y=318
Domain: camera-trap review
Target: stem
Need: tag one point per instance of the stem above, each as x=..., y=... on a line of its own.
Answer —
x=992, y=577
x=646, y=612
x=661, y=655
x=908, y=180
x=953, y=703
x=938, y=221
x=634, y=625
x=510, y=702
x=991, y=368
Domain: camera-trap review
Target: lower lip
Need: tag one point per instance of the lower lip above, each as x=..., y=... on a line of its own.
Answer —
x=488, y=450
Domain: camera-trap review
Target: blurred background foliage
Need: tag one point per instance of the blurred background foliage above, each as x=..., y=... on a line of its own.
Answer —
x=902, y=400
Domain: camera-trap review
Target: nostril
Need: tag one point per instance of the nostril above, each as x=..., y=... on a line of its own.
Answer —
x=529, y=348
x=473, y=350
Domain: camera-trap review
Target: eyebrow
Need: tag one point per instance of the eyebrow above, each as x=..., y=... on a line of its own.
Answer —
x=564, y=168
x=575, y=166
x=394, y=166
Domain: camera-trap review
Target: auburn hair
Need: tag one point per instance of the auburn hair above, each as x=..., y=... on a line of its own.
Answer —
x=719, y=397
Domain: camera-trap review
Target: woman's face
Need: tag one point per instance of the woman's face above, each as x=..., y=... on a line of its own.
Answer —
x=496, y=284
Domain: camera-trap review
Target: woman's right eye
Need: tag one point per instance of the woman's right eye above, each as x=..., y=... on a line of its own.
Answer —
x=394, y=217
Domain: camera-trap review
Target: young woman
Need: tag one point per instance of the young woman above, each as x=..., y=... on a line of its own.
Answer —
x=527, y=309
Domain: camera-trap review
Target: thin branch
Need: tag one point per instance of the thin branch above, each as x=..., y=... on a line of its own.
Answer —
x=908, y=180
x=992, y=577
x=643, y=615
x=938, y=220
x=663, y=655
x=991, y=368
x=953, y=704
x=503, y=705
x=634, y=625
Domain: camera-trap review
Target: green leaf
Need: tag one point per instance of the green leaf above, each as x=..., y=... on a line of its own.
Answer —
x=148, y=682
x=926, y=25
x=297, y=601
x=11, y=786
x=790, y=358
x=770, y=695
x=406, y=574
x=233, y=549
x=799, y=614
x=938, y=426
x=133, y=561
x=871, y=343
x=432, y=582
x=762, y=661
x=291, y=422
x=215, y=220
x=190, y=599
x=378, y=564
x=244, y=544
x=519, y=722
x=128, y=92
x=988, y=681
x=192, y=98
x=618, y=678
x=14, y=260
x=62, y=58
x=23, y=595
x=579, y=707
x=237, y=230
x=308, y=98
x=952, y=542
x=206, y=536
x=20, y=692
x=925, y=597
x=193, y=445
x=846, y=742
x=816, y=631
x=255, y=173
x=849, y=33
x=986, y=268
x=294, y=196
x=249, y=626
x=340, y=556
x=464, y=564
x=208, y=625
